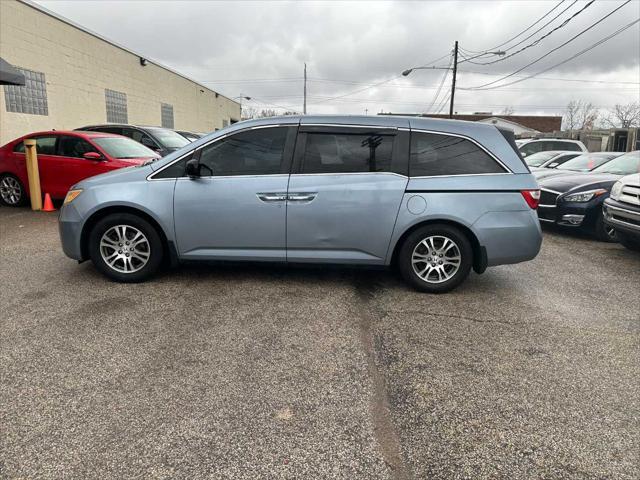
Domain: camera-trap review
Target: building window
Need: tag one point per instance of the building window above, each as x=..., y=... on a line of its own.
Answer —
x=166, y=113
x=116, y=106
x=30, y=98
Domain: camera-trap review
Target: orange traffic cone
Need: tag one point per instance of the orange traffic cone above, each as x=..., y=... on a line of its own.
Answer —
x=48, y=204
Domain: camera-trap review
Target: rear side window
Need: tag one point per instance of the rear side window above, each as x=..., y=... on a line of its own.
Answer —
x=19, y=147
x=439, y=155
x=347, y=153
x=46, y=145
x=574, y=147
x=532, y=147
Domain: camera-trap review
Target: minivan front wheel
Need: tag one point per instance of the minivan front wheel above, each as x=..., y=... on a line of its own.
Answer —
x=125, y=248
x=435, y=258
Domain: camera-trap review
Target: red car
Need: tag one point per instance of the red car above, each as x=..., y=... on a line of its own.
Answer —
x=65, y=158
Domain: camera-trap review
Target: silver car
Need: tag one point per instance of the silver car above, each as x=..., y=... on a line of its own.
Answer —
x=434, y=197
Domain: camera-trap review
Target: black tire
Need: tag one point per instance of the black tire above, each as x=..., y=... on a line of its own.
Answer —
x=602, y=231
x=22, y=199
x=435, y=282
x=152, y=250
x=629, y=242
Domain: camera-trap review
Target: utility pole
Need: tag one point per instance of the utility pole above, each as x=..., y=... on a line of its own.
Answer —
x=304, y=105
x=453, y=83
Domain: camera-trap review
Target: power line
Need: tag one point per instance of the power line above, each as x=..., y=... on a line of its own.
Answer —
x=362, y=89
x=582, y=52
x=536, y=42
x=444, y=77
x=481, y=87
x=523, y=31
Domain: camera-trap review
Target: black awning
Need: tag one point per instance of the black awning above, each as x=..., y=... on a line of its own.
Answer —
x=9, y=75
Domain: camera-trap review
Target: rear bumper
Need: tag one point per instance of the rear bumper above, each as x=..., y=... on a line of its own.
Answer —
x=623, y=217
x=70, y=229
x=509, y=237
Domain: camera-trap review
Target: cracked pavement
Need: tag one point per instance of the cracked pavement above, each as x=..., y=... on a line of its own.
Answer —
x=527, y=371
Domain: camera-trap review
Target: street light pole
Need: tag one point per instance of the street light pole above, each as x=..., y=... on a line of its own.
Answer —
x=453, y=82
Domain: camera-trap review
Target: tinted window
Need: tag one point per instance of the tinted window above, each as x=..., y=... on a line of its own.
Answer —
x=142, y=138
x=44, y=146
x=176, y=170
x=433, y=154
x=566, y=146
x=255, y=152
x=537, y=159
x=347, y=153
x=74, y=147
x=529, y=148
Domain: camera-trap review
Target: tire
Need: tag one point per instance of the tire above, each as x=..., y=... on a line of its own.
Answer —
x=448, y=243
x=12, y=192
x=131, y=262
x=629, y=242
x=602, y=231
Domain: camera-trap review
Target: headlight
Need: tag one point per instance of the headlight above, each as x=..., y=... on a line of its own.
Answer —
x=616, y=190
x=71, y=195
x=584, y=196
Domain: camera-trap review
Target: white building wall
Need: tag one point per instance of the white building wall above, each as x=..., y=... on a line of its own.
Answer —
x=79, y=66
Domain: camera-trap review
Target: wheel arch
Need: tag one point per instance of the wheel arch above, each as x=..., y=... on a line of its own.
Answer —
x=479, y=251
x=168, y=246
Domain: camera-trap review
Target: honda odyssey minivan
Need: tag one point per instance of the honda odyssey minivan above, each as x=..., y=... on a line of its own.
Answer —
x=435, y=197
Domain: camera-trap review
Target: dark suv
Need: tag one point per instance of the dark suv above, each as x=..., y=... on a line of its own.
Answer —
x=161, y=140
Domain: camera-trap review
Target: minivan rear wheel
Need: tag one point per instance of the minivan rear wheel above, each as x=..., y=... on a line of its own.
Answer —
x=125, y=248
x=435, y=258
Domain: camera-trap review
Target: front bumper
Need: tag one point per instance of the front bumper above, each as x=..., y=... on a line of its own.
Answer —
x=570, y=214
x=70, y=229
x=622, y=216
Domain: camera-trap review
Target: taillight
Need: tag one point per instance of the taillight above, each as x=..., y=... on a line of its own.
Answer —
x=532, y=197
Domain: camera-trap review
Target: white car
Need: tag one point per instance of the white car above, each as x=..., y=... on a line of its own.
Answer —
x=622, y=211
x=544, y=144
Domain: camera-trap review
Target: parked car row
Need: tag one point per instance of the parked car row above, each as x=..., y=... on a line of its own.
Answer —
x=574, y=193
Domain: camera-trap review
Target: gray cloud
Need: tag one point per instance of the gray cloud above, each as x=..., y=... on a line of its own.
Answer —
x=240, y=47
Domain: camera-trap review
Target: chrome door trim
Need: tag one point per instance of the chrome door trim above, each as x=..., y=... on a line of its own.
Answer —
x=301, y=196
x=272, y=197
x=333, y=174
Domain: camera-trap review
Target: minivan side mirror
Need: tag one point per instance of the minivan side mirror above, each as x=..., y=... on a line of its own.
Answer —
x=93, y=156
x=192, y=168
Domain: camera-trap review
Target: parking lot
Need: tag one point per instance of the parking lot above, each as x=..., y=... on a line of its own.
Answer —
x=528, y=371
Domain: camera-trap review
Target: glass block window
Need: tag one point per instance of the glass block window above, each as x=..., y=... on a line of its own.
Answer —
x=166, y=112
x=29, y=98
x=116, y=106
x=225, y=123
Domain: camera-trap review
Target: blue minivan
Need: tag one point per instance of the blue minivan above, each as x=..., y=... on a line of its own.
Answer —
x=434, y=197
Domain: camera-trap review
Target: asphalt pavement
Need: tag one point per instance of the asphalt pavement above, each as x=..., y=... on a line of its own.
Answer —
x=526, y=371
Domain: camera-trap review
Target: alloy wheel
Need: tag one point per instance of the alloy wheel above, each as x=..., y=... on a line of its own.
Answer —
x=125, y=249
x=10, y=190
x=436, y=259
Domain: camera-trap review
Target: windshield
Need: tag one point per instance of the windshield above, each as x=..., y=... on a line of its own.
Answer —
x=539, y=158
x=123, y=147
x=169, y=138
x=624, y=165
x=587, y=162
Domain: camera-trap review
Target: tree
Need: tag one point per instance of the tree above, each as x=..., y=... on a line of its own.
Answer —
x=267, y=112
x=580, y=115
x=623, y=116
x=249, y=112
x=508, y=110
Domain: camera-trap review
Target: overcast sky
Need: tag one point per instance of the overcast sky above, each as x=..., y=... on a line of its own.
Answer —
x=258, y=49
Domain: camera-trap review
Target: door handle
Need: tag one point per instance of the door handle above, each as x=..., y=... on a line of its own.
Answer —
x=301, y=197
x=272, y=197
